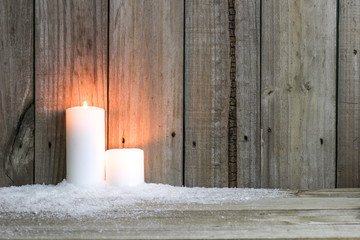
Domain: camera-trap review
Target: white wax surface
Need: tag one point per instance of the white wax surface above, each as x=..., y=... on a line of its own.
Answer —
x=125, y=167
x=85, y=145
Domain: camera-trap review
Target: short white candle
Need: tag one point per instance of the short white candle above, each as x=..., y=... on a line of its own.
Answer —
x=124, y=167
x=85, y=145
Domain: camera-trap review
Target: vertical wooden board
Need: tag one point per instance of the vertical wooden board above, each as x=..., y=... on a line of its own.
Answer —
x=16, y=93
x=71, y=64
x=247, y=30
x=298, y=94
x=207, y=89
x=146, y=84
x=348, y=170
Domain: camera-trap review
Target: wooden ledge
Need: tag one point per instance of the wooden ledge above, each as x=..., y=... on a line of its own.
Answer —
x=329, y=213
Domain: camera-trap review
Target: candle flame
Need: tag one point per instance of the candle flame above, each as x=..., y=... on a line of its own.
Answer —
x=85, y=104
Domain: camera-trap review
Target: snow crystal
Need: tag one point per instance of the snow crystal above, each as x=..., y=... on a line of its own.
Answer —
x=68, y=200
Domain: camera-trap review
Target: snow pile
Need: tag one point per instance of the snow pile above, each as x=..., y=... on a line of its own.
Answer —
x=69, y=200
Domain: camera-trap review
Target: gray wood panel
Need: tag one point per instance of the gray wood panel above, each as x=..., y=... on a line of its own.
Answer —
x=348, y=171
x=16, y=93
x=146, y=84
x=207, y=93
x=298, y=94
x=247, y=29
x=71, y=63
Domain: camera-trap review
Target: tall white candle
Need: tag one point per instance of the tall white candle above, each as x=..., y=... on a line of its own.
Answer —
x=124, y=167
x=85, y=145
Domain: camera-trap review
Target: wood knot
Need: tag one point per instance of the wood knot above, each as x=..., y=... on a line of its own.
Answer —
x=289, y=87
x=307, y=86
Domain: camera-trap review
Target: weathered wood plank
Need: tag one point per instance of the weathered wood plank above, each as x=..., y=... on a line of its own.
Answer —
x=16, y=93
x=146, y=84
x=71, y=60
x=247, y=31
x=172, y=224
x=281, y=218
x=207, y=91
x=298, y=94
x=348, y=171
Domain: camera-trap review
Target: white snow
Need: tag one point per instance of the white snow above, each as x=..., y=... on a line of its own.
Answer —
x=68, y=200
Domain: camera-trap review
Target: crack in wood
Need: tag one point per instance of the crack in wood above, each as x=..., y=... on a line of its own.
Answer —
x=19, y=124
x=6, y=174
x=20, y=159
x=232, y=127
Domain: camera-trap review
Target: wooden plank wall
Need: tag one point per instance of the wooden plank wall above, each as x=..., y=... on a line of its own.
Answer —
x=348, y=171
x=145, y=84
x=222, y=79
x=207, y=93
x=247, y=57
x=218, y=93
x=16, y=93
x=70, y=67
x=298, y=94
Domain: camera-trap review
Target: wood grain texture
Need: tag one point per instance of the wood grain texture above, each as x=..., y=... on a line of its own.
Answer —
x=71, y=60
x=326, y=214
x=146, y=84
x=348, y=171
x=298, y=94
x=207, y=90
x=247, y=30
x=16, y=93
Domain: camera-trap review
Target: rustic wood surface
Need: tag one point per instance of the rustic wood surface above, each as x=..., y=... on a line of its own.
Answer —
x=348, y=171
x=325, y=214
x=146, y=84
x=207, y=89
x=247, y=30
x=16, y=93
x=298, y=94
x=71, y=60
x=257, y=112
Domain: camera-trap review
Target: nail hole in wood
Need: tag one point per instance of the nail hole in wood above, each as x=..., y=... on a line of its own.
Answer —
x=89, y=43
x=49, y=144
x=173, y=134
x=20, y=146
x=321, y=141
x=194, y=144
x=245, y=138
x=269, y=129
x=355, y=51
x=123, y=140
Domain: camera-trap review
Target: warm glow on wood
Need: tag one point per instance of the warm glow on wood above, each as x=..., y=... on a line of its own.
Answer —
x=85, y=104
